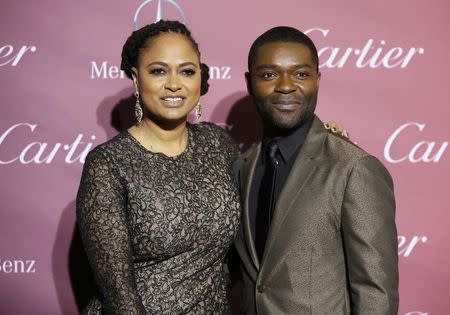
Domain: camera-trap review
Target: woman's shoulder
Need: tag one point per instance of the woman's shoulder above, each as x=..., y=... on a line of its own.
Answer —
x=211, y=130
x=107, y=150
x=207, y=126
x=216, y=136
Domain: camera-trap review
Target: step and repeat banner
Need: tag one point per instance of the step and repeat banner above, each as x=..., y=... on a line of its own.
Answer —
x=385, y=78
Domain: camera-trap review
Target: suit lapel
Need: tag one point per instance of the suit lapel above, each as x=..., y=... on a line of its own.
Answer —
x=246, y=181
x=302, y=170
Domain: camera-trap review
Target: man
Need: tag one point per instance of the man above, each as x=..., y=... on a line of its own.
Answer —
x=318, y=231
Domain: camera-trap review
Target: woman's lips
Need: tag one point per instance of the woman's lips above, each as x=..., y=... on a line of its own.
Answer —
x=172, y=101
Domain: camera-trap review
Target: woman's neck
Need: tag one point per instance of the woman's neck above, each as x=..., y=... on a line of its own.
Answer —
x=170, y=139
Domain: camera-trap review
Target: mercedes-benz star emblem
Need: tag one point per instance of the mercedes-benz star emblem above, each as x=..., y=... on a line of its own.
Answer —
x=159, y=11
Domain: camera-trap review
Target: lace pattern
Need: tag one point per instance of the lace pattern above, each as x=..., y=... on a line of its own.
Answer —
x=156, y=229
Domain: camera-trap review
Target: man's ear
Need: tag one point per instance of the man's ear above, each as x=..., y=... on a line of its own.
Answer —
x=248, y=82
x=319, y=75
x=134, y=77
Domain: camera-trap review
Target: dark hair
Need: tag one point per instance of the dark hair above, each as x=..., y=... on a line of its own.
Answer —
x=283, y=34
x=139, y=39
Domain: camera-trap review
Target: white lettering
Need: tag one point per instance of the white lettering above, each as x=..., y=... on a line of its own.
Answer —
x=105, y=71
x=102, y=70
x=410, y=54
x=36, y=156
x=41, y=152
x=17, y=266
x=7, y=266
x=363, y=54
x=18, y=263
x=226, y=73
x=392, y=55
x=372, y=54
x=220, y=73
x=7, y=132
x=113, y=72
x=96, y=72
x=30, y=266
x=72, y=148
x=214, y=72
x=405, y=248
x=318, y=29
x=7, y=51
x=421, y=152
x=417, y=313
x=334, y=52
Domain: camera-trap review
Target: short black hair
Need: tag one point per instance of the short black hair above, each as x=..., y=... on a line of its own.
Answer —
x=283, y=34
x=139, y=39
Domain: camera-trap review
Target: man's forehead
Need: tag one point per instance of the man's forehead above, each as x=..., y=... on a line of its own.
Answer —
x=283, y=51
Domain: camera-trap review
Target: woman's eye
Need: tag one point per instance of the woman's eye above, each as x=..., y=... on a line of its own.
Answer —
x=188, y=72
x=157, y=71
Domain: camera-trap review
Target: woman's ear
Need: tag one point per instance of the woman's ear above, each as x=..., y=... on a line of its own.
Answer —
x=134, y=77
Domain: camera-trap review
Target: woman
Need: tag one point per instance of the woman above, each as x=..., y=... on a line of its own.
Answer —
x=157, y=206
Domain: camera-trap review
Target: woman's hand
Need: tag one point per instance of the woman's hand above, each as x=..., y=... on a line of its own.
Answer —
x=335, y=128
x=338, y=130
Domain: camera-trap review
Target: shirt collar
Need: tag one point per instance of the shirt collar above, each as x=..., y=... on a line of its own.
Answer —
x=290, y=144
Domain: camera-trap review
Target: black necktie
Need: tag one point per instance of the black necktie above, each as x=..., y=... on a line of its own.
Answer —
x=266, y=200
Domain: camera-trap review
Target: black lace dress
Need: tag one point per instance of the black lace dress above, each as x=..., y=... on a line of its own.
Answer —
x=156, y=228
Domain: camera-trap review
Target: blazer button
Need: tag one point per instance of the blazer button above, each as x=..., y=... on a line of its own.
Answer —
x=261, y=288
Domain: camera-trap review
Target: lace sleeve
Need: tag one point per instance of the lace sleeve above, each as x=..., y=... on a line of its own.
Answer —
x=102, y=221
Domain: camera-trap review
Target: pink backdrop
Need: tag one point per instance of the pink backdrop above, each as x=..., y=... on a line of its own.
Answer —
x=385, y=78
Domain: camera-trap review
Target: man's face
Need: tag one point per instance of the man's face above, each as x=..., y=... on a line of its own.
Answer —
x=284, y=83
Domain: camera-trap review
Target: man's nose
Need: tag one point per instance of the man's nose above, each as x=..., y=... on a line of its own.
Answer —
x=285, y=85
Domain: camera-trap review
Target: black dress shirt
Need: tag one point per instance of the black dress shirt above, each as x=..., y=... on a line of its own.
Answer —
x=289, y=148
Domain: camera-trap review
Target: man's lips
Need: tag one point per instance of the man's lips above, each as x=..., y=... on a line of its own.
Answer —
x=286, y=105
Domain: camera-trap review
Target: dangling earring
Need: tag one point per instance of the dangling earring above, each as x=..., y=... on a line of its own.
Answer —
x=137, y=108
x=198, y=111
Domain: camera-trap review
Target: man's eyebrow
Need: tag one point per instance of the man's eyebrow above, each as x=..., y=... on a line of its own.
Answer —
x=272, y=66
x=303, y=65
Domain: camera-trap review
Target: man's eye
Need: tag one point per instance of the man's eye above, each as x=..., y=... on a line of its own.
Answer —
x=268, y=75
x=302, y=74
x=157, y=71
x=188, y=72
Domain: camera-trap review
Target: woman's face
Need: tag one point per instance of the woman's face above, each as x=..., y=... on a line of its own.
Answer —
x=168, y=77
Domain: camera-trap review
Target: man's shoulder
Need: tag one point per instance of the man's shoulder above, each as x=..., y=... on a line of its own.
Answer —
x=341, y=151
x=250, y=152
x=340, y=148
x=323, y=144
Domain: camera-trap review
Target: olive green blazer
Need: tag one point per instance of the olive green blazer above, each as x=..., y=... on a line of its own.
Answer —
x=332, y=244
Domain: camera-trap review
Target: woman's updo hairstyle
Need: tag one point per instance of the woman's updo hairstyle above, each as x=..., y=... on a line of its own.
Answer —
x=139, y=39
